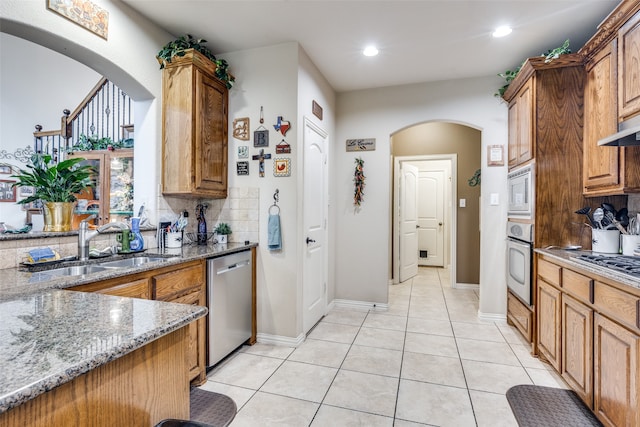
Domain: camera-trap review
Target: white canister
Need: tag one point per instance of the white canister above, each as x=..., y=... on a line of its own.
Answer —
x=605, y=241
x=630, y=243
x=174, y=239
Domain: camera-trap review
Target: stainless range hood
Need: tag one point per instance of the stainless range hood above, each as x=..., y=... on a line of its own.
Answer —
x=628, y=134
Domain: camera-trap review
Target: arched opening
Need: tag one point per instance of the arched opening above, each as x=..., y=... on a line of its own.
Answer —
x=420, y=145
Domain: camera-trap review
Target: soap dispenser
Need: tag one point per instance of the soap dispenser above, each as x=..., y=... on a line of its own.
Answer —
x=137, y=242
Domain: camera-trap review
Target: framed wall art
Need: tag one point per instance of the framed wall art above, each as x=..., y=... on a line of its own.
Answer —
x=241, y=129
x=495, y=155
x=85, y=13
x=5, y=169
x=281, y=167
x=261, y=137
x=7, y=191
x=243, y=152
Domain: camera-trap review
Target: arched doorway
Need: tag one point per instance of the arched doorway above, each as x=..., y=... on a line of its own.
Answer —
x=441, y=139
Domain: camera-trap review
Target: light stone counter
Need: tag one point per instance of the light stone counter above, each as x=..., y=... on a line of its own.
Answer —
x=568, y=257
x=50, y=337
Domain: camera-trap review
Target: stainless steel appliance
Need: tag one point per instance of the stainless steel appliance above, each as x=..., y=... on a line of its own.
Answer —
x=521, y=186
x=519, y=259
x=229, y=296
x=623, y=264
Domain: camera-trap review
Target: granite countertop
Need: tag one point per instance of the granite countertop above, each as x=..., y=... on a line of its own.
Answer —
x=568, y=257
x=53, y=336
x=15, y=281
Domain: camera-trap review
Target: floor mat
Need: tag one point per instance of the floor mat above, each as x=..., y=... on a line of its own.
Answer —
x=537, y=406
x=212, y=408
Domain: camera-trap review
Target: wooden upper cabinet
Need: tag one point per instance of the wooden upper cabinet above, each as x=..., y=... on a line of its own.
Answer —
x=194, y=131
x=521, y=125
x=629, y=68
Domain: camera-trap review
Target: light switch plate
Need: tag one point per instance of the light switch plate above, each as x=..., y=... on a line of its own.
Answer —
x=495, y=199
x=463, y=203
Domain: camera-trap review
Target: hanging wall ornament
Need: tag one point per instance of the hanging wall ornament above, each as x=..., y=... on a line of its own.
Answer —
x=282, y=126
x=358, y=180
x=261, y=134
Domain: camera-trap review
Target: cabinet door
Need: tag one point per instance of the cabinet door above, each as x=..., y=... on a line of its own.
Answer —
x=211, y=135
x=628, y=69
x=577, y=347
x=525, y=122
x=549, y=323
x=513, y=133
x=616, y=373
x=601, y=164
x=197, y=341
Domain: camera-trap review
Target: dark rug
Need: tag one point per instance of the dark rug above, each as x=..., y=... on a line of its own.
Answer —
x=212, y=408
x=537, y=406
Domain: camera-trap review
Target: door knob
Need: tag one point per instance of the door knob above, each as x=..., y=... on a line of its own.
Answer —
x=440, y=224
x=310, y=241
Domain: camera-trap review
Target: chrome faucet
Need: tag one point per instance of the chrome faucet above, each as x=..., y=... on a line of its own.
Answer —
x=84, y=235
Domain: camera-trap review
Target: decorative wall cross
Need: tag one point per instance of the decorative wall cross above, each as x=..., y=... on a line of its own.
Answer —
x=260, y=157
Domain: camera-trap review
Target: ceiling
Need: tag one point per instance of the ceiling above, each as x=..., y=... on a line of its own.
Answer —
x=419, y=40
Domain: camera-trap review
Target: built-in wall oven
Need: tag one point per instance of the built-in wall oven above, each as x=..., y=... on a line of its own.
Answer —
x=520, y=260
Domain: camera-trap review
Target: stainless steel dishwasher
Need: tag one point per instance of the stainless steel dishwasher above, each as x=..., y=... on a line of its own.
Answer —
x=229, y=296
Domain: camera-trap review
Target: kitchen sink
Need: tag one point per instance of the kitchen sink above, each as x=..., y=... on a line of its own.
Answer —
x=76, y=270
x=132, y=262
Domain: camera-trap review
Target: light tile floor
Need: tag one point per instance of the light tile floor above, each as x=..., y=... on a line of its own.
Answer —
x=427, y=360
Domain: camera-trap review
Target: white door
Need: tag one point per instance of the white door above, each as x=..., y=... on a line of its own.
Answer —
x=314, y=289
x=431, y=216
x=408, y=217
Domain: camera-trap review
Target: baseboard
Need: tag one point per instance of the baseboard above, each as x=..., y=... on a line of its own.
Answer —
x=280, y=340
x=359, y=305
x=472, y=286
x=492, y=317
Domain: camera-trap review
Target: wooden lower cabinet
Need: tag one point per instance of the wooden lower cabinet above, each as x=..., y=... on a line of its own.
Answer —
x=520, y=316
x=549, y=323
x=577, y=347
x=180, y=283
x=616, y=375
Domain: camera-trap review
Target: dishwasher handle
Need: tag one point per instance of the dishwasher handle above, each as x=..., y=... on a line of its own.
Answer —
x=233, y=267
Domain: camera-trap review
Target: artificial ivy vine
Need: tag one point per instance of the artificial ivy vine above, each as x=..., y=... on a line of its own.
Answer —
x=358, y=179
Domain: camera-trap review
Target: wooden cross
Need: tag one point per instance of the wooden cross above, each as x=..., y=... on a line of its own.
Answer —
x=260, y=157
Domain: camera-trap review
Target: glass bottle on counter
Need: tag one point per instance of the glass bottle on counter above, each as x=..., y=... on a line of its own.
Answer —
x=202, y=224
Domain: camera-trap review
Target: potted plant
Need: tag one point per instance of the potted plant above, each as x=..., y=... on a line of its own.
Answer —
x=179, y=46
x=222, y=230
x=56, y=185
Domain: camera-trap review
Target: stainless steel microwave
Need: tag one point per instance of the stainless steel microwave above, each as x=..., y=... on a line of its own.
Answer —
x=521, y=188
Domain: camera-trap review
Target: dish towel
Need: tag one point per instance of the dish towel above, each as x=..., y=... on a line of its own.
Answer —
x=273, y=230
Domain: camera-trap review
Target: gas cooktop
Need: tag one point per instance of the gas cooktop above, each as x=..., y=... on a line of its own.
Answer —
x=624, y=264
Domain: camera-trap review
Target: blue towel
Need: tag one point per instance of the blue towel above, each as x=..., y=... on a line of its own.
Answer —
x=273, y=230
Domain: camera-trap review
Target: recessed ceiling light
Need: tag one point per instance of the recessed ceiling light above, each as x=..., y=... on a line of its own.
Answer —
x=370, y=51
x=502, y=31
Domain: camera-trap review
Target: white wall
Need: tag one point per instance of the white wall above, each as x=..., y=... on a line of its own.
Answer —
x=362, y=239
x=36, y=84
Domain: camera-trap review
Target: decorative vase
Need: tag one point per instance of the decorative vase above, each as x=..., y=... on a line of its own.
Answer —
x=222, y=239
x=58, y=216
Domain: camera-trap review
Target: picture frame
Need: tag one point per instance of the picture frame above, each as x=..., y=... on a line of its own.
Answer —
x=261, y=138
x=242, y=168
x=27, y=191
x=243, y=152
x=241, y=128
x=495, y=155
x=7, y=191
x=281, y=167
x=84, y=13
x=5, y=169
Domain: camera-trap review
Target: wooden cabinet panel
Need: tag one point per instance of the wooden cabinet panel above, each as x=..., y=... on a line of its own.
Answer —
x=617, y=305
x=601, y=164
x=196, y=357
x=577, y=285
x=173, y=284
x=194, y=132
x=551, y=273
x=628, y=68
x=549, y=323
x=577, y=347
x=521, y=316
x=134, y=289
x=521, y=126
x=616, y=375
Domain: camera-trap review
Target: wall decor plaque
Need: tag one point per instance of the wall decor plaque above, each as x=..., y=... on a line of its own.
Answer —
x=243, y=152
x=242, y=168
x=282, y=167
x=283, y=147
x=261, y=137
x=316, y=109
x=365, y=144
x=241, y=129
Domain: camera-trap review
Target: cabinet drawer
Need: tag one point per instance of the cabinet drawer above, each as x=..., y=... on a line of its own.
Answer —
x=521, y=316
x=577, y=285
x=176, y=283
x=549, y=272
x=617, y=304
x=135, y=289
